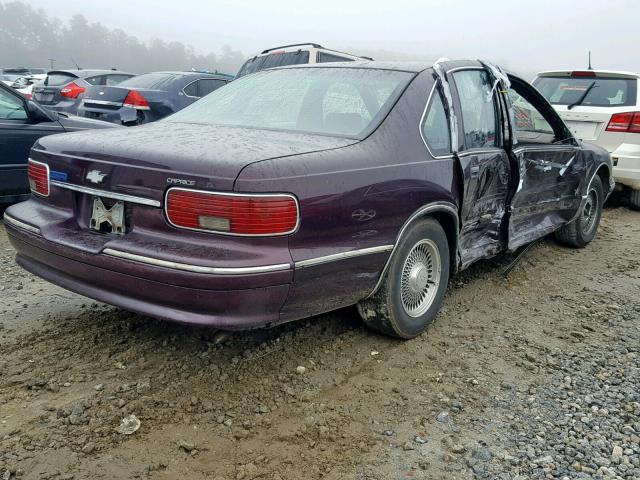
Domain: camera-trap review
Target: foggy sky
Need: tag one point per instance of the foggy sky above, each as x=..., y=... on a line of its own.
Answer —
x=524, y=35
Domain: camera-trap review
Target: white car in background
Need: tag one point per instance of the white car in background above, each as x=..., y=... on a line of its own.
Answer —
x=601, y=107
x=24, y=85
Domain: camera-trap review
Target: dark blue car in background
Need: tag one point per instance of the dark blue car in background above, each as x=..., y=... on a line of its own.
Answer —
x=148, y=97
x=22, y=122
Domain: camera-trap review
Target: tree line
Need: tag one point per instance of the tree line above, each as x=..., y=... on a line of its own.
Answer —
x=31, y=38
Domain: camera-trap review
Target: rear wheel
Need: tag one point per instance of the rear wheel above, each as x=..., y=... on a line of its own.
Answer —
x=413, y=287
x=635, y=199
x=582, y=230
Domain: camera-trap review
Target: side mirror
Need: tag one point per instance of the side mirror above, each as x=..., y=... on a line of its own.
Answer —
x=37, y=113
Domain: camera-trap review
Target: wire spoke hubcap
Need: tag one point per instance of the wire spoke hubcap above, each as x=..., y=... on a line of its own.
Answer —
x=420, y=278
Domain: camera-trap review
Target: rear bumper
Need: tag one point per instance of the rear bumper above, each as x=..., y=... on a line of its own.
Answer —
x=626, y=165
x=156, y=290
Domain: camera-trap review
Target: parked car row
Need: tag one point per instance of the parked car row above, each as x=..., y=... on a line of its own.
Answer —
x=63, y=98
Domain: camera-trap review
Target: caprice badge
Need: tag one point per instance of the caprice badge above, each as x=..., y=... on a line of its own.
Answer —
x=95, y=176
x=181, y=181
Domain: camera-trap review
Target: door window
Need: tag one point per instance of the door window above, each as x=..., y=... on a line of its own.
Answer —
x=11, y=108
x=435, y=128
x=478, y=108
x=530, y=123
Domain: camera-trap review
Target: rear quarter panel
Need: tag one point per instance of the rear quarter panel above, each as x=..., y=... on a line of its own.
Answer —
x=355, y=197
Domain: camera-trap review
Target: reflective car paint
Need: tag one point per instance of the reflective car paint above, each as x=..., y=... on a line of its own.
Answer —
x=356, y=198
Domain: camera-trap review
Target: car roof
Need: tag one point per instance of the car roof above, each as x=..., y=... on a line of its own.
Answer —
x=597, y=73
x=413, y=67
x=89, y=72
x=194, y=73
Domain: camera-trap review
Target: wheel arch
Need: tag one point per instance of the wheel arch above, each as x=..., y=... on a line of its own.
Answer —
x=604, y=172
x=446, y=214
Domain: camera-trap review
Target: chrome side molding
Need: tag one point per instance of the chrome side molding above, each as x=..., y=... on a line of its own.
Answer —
x=196, y=268
x=311, y=262
x=22, y=225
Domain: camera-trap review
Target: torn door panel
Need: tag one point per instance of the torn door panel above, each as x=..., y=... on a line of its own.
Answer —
x=548, y=193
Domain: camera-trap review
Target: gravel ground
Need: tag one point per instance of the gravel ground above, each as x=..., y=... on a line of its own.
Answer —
x=532, y=376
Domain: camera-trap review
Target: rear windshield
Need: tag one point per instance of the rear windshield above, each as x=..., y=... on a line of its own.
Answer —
x=55, y=79
x=348, y=102
x=151, y=81
x=272, y=60
x=606, y=92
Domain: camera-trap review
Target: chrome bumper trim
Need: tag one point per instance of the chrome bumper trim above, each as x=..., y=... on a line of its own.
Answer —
x=101, y=102
x=196, y=268
x=19, y=224
x=106, y=194
x=343, y=255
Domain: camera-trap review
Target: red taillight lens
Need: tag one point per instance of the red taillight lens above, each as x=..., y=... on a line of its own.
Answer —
x=238, y=214
x=38, y=174
x=624, y=122
x=72, y=90
x=136, y=100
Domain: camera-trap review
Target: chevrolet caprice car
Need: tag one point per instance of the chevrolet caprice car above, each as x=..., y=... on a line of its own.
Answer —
x=298, y=190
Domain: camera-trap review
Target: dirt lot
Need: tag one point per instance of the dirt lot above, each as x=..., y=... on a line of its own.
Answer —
x=532, y=376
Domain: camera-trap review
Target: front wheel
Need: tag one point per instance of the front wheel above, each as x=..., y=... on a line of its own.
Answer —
x=413, y=287
x=582, y=230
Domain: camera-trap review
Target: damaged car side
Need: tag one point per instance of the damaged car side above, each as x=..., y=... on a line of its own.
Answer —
x=299, y=190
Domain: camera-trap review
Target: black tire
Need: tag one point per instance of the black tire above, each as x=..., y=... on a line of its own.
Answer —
x=582, y=230
x=385, y=311
x=634, y=199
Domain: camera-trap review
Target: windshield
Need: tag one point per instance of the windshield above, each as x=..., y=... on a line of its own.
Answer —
x=151, y=81
x=347, y=102
x=606, y=92
x=279, y=59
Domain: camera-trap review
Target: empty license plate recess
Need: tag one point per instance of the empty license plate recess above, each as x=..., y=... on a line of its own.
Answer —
x=107, y=219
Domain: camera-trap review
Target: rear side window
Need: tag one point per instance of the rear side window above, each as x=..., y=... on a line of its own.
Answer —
x=606, y=92
x=435, y=129
x=56, y=79
x=327, y=57
x=152, y=81
x=478, y=108
x=116, y=79
x=274, y=60
x=97, y=80
x=208, y=85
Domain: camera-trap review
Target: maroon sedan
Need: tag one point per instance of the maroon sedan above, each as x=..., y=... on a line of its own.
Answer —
x=299, y=190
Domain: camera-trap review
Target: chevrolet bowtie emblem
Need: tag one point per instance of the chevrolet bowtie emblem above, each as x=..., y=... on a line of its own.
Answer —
x=96, y=176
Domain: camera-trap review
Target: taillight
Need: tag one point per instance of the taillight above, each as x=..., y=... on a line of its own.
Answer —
x=234, y=214
x=136, y=100
x=72, y=90
x=624, y=122
x=583, y=74
x=27, y=96
x=38, y=174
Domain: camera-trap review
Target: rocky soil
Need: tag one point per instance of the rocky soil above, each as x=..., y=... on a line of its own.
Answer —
x=532, y=376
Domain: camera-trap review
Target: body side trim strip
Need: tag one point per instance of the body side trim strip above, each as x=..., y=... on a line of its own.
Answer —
x=342, y=255
x=106, y=194
x=19, y=224
x=196, y=268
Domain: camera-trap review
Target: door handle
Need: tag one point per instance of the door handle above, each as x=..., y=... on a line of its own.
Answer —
x=475, y=171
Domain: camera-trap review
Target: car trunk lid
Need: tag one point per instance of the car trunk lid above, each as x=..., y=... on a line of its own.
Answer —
x=48, y=93
x=114, y=96
x=145, y=160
